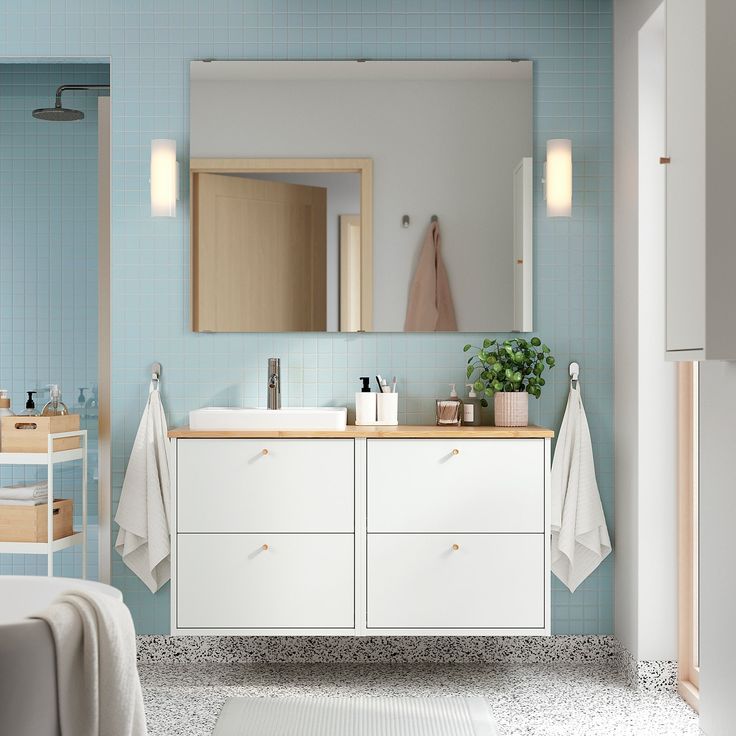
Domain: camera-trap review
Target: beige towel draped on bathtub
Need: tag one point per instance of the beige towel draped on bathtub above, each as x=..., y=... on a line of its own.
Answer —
x=430, y=307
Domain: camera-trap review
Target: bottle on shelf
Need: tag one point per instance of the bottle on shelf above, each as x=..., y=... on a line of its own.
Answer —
x=5, y=403
x=30, y=410
x=55, y=407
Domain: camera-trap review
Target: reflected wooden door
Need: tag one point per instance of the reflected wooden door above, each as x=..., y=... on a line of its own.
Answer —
x=259, y=255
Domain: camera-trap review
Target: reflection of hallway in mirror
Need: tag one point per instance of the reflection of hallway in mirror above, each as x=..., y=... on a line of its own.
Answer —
x=261, y=255
x=343, y=197
x=350, y=281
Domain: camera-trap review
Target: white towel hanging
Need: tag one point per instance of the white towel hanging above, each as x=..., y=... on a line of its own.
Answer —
x=580, y=540
x=143, y=513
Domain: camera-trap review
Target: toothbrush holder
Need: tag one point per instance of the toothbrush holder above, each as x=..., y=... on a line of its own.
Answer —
x=376, y=410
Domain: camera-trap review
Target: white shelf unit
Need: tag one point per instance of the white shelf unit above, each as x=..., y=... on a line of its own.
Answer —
x=50, y=459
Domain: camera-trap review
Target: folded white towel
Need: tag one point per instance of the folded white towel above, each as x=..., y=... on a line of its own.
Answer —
x=28, y=502
x=98, y=687
x=580, y=540
x=24, y=491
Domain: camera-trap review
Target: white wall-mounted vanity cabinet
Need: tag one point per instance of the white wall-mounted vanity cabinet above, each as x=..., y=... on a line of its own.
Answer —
x=701, y=215
x=399, y=531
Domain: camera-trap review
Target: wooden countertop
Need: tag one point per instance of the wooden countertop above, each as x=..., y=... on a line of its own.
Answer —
x=407, y=431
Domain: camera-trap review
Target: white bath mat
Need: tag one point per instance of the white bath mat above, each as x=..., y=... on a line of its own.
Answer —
x=365, y=716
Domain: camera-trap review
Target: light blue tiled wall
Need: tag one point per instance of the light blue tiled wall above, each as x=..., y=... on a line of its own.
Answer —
x=48, y=276
x=150, y=45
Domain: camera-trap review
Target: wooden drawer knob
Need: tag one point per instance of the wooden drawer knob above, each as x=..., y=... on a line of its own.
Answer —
x=456, y=451
x=455, y=547
x=264, y=451
x=265, y=548
x=665, y=160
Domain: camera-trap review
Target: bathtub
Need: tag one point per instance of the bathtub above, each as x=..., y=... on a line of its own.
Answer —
x=28, y=703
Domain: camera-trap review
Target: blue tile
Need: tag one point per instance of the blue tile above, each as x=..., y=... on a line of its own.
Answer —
x=570, y=42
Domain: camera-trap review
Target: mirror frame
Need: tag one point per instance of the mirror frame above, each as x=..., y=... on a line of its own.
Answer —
x=361, y=166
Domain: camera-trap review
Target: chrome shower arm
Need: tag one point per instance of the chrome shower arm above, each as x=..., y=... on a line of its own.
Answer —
x=65, y=87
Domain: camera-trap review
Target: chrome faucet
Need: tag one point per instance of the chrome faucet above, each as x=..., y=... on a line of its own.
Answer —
x=274, y=383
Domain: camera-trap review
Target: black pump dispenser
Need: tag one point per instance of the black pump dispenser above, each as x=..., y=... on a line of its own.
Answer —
x=30, y=404
x=366, y=384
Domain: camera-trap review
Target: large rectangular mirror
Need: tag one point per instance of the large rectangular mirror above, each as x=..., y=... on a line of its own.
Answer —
x=361, y=196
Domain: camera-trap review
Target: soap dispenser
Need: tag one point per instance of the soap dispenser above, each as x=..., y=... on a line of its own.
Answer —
x=30, y=410
x=56, y=407
x=471, y=408
x=365, y=403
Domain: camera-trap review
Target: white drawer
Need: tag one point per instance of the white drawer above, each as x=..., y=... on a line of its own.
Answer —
x=437, y=485
x=231, y=581
x=264, y=485
x=491, y=581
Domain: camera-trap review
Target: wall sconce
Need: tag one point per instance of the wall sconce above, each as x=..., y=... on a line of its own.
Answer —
x=164, y=178
x=558, y=177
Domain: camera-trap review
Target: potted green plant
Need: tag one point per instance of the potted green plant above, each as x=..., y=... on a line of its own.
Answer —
x=509, y=371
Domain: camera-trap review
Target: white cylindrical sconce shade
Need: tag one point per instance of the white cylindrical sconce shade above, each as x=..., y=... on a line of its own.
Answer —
x=163, y=177
x=558, y=177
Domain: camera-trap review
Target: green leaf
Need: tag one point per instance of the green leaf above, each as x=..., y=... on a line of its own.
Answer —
x=550, y=361
x=487, y=343
x=478, y=386
x=545, y=349
x=497, y=386
x=536, y=342
x=483, y=402
x=466, y=348
x=517, y=377
x=488, y=391
x=470, y=371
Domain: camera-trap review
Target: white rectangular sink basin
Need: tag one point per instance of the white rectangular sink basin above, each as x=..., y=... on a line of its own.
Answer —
x=215, y=417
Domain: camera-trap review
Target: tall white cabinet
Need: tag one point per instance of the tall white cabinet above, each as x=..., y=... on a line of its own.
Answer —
x=700, y=160
x=398, y=531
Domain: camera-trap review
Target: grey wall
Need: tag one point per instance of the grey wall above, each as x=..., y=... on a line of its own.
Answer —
x=717, y=550
x=718, y=392
x=442, y=147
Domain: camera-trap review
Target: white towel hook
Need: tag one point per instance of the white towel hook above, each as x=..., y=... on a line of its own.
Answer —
x=574, y=373
x=156, y=374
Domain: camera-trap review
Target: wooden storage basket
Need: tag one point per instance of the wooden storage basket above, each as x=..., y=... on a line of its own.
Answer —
x=31, y=434
x=30, y=523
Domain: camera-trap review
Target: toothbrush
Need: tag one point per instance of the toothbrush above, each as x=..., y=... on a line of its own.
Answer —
x=393, y=386
x=379, y=381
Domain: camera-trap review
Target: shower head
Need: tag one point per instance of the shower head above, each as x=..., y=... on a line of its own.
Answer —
x=59, y=114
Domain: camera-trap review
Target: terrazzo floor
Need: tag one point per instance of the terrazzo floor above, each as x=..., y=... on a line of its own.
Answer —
x=533, y=700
